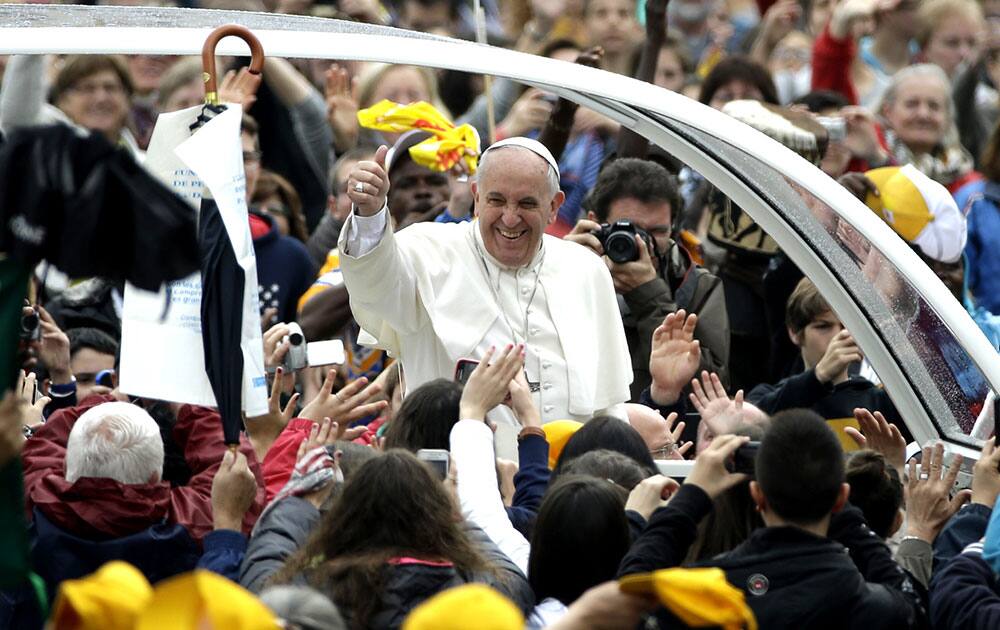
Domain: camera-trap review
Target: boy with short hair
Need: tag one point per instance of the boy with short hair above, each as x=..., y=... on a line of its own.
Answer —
x=826, y=386
x=815, y=563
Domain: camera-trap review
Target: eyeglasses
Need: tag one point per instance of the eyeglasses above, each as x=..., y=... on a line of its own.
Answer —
x=90, y=89
x=664, y=451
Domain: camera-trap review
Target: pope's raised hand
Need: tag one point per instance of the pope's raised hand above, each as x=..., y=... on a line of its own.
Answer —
x=368, y=184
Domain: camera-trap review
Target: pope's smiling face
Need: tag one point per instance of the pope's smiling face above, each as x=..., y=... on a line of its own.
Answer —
x=515, y=202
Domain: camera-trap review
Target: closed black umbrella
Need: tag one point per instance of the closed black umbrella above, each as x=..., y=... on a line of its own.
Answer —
x=223, y=280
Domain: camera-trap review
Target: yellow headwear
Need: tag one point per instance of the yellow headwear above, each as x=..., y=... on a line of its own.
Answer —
x=557, y=433
x=698, y=597
x=109, y=599
x=447, y=145
x=920, y=210
x=204, y=599
x=469, y=606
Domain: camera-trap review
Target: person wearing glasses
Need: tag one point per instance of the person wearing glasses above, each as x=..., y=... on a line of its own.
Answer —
x=90, y=92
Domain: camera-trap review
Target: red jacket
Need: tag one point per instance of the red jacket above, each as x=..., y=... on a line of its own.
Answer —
x=103, y=508
x=831, y=65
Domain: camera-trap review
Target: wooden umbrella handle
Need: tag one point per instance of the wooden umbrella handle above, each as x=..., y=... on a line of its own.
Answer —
x=208, y=57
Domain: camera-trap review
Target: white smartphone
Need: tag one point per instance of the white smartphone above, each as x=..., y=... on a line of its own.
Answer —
x=438, y=458
x=325, y=353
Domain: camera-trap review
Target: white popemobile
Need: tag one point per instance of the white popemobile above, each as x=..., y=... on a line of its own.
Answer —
x=933, y=360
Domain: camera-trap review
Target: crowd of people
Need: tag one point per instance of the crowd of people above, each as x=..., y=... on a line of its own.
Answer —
x=523, y=343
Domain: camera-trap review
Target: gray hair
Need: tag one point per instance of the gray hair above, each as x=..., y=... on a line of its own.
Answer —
x=303, y=607
x=950, y=138
x=550, y=172
x=928, y=70
x=115, y=440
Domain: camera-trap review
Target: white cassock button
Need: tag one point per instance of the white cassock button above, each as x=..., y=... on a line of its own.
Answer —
x=547, y=386
x=524, y=290
x=548, y=408
x=534, y=331
x=546, y=365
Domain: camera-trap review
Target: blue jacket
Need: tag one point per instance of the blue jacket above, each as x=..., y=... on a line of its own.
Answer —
x=965, y=594
x=963, y=529
x=284, y=272
x=980, y=201
x=530, y=483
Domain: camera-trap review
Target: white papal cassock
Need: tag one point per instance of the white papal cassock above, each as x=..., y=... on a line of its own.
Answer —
x=431, y=295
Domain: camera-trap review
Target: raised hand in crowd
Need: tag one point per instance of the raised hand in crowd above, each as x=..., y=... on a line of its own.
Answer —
x=710, y=473
x=234, y=489
x=52, y=347
x=986, y=475
x=523, y=403
x=368, y=184
x=239, y=87
x=264, y=430
x=651, y=494
x=341, y=108
x=345, y=406
x=778, y=21
x=881, y=436
x=489, y=384
x=322, y=436
x=529, y=112
x=674, y=357
x=852, y=18
x=34, y=402
x=841, y=353
x=605, y=607
x=929, y=504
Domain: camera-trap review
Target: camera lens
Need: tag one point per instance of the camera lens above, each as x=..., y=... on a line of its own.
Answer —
x=620, y=247
x=30, y=326
x=296, y=339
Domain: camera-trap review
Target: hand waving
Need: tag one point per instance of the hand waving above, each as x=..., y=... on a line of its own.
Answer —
x=341, y=107
x=347, y=405
x=880, y=436
x=674, y=357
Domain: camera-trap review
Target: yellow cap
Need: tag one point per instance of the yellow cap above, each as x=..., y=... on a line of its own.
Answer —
x=920, y=210
x=109, y=599
x=202, y=599
x=557, y=433
x=469, y=606
x=698, y=597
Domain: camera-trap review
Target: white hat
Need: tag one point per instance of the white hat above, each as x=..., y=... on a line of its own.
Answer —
x=921, y=210
x=534, y=146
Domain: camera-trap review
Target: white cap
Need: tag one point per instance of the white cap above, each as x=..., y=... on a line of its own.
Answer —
x=534, y=146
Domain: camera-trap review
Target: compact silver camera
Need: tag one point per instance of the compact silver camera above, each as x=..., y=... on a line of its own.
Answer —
x=302, y=355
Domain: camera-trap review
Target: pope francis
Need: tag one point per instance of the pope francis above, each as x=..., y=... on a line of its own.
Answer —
x=437, y=292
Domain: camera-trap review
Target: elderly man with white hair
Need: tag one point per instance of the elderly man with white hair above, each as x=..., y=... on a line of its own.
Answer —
x=434, y=293
x=95, y=491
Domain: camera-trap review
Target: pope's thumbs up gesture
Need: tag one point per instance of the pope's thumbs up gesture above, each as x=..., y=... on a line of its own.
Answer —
x=368, y=184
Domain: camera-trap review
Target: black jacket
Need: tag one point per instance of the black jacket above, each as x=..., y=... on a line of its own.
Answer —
x=681, y=284
x=965, y=593
x=792, y=579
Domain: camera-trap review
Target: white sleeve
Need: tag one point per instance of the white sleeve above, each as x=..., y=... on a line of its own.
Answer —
x=364, y=233
x=472, y=454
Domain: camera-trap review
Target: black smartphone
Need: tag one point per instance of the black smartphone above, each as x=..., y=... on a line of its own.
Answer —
x=744, y=459
x=464, y=369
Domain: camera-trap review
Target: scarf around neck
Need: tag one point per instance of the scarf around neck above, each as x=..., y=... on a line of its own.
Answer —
x=945, y=165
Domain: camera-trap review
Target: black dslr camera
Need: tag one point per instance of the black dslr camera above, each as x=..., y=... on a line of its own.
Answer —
x=618, y=240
